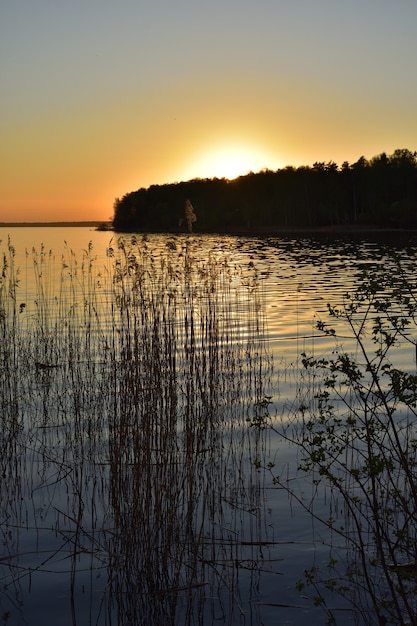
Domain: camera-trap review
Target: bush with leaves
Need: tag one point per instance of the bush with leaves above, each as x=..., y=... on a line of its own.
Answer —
x=355, y=430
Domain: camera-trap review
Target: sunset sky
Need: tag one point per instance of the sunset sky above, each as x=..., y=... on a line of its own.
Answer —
x=99, y=98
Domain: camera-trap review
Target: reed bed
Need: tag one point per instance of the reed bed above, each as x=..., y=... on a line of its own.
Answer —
x=127, y=465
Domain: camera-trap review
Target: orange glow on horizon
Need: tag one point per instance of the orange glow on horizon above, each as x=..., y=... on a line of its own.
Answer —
x=230, y=160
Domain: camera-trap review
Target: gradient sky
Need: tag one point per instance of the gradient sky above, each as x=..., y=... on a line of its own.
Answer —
x=99, y=97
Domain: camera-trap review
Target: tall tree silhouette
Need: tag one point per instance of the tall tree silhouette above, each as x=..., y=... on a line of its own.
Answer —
x=380, y=192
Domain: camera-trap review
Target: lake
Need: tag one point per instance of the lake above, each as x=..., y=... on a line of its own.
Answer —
x=134, y=488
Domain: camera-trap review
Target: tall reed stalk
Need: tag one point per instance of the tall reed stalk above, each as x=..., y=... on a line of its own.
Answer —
x=125, y=391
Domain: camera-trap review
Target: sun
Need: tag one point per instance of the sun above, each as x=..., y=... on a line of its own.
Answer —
x=230, y=162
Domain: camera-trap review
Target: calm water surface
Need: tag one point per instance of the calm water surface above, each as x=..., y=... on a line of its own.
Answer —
x=62, y=560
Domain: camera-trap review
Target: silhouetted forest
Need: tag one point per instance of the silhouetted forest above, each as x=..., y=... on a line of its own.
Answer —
x=380, y=192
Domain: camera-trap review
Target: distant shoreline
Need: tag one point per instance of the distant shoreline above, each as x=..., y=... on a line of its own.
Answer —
x=52, y=224
x=336, y=229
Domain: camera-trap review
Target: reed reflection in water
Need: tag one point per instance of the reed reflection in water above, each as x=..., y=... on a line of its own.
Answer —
x=128, y=491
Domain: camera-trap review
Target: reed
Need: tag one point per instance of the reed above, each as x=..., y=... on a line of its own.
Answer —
x=125, y=388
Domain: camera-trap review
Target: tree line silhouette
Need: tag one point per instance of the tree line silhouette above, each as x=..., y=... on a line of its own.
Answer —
x=380, y=192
